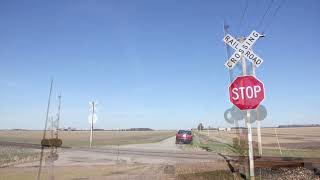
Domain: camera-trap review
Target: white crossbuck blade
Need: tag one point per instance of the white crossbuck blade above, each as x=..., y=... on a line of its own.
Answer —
x=242, y=49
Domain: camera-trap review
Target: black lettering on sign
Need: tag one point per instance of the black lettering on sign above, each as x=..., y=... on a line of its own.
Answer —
x=255, y=34
x=229, y=65
x=247, y=53
x=231, y=41
x=251, y=39
x=255, y=59
x=258, y=61
x=244, y=46
x=227, y=38
x=241, y=51
x=233, y=60
x=251, y=56
x=236, y=47
x=237, y=55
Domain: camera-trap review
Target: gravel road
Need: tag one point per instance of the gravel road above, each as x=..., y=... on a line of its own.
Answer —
x=163, y=152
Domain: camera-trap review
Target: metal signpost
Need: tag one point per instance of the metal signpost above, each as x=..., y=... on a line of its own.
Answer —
x=246, y=92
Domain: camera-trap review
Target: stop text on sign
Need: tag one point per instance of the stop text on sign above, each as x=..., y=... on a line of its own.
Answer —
x=246, y=92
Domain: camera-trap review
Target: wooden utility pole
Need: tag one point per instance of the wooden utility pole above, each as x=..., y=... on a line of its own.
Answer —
x=45, y=130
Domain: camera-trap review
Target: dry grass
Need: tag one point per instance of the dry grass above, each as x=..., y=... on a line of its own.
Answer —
x=304, y=142
x=81, y=138
x=122, y=171
x=75, y=172
x=10, y=155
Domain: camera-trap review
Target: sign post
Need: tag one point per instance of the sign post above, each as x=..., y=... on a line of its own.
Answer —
x=246, y=92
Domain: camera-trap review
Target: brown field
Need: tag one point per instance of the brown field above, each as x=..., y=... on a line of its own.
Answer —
x=11, y=154
x=122, y=171
x=81, y=138
x=146, y=161
x=304, y=141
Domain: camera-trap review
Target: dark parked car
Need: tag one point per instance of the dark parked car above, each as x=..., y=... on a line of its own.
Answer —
x=183, y=136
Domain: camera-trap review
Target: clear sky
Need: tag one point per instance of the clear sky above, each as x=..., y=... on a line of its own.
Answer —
x=152, y=63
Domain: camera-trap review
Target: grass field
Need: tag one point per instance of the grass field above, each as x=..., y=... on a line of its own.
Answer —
x=81, y=138
x=298, y=142
x=10, y=154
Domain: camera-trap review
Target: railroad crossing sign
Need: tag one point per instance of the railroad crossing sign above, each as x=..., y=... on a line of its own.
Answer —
x=246, y=92
x=242, y=49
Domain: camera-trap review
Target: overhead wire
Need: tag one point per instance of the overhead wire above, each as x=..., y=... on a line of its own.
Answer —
x=265, y=13
x=242, y=16
x=273, y=16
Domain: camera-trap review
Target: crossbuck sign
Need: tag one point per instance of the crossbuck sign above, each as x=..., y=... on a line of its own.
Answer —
x=242, y=49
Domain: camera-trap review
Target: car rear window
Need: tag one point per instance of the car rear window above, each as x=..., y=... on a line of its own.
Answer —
x=184, y=132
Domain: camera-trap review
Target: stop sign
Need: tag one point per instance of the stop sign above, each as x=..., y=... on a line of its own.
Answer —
x=246, y=92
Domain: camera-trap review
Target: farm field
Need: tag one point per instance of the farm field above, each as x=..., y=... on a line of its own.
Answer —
x=158, y=157
x=10, y=153
x=299, y=142
x=81, y=138
x=135, y=171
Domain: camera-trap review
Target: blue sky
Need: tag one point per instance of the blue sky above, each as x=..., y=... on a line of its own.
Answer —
x=157, y=64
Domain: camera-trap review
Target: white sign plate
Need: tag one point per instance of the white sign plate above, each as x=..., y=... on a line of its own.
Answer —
x=242, y=49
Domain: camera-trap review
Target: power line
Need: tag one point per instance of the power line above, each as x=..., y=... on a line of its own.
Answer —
x=243, y=15
x=273, y=16
x=265, y=13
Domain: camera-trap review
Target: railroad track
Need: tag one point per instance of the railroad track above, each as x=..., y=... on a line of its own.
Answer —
x=236, y=163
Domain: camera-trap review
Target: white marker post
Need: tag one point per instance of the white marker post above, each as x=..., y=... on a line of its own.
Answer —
x=243, y=49
x=248, y=124
x=251, y=162
x=258, y=121
x=250, y=148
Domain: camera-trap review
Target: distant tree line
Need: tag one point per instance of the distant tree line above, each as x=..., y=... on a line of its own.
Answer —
x=137, y=129
x=200, y=127
x=99, y=129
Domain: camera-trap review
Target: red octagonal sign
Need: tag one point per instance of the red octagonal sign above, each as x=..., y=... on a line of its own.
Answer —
x=246, y=92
